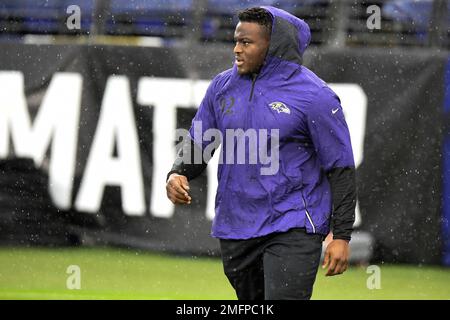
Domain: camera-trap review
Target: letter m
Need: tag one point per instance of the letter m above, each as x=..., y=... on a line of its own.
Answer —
x=55, y=124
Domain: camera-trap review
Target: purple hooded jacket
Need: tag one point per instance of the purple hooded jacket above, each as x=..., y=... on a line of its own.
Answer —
x=313, y=139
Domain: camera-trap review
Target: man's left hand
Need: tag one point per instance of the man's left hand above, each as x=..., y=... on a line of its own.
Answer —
x=336, y=257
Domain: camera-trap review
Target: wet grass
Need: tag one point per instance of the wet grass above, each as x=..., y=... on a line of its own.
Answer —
x=41, y=273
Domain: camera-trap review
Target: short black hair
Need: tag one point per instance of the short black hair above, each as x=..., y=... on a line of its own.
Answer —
x=257, y=15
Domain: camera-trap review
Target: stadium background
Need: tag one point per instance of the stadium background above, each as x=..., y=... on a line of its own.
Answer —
x=87, y=124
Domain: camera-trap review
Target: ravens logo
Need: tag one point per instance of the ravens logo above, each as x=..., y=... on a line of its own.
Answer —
x=280, y=107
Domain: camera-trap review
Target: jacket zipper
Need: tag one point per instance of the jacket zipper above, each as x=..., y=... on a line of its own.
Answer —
x=308, y=215
x=254, y=75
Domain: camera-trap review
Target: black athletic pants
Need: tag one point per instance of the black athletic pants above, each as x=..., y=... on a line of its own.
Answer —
x=279, y=266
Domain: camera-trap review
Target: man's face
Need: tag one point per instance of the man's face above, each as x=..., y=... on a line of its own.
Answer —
x=252, y=42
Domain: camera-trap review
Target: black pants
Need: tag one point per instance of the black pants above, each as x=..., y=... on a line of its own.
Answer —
x=279, y=266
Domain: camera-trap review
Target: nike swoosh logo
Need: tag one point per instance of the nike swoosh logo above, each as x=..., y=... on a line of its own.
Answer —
x=335, y=110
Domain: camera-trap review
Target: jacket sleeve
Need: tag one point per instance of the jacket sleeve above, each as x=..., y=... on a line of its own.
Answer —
x=331, y=139
x=187, y=168
x=191, y=160
x=342, y=182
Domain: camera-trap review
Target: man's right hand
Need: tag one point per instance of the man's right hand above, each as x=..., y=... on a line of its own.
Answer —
x=177, y=188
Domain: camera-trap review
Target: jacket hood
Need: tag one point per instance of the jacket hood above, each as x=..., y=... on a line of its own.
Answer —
x=290, y=36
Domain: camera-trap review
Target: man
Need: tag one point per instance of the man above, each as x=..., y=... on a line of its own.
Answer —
x=271, y=226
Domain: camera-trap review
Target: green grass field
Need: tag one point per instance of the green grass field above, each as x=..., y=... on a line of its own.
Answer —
x=107, y=273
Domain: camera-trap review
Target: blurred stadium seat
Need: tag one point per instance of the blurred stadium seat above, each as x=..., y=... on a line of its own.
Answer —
x=41, y=16
x=418, y=15
x=149, y=17
x=220, y=17
x=403, y=23
x=339, y=23
x=406, y=11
